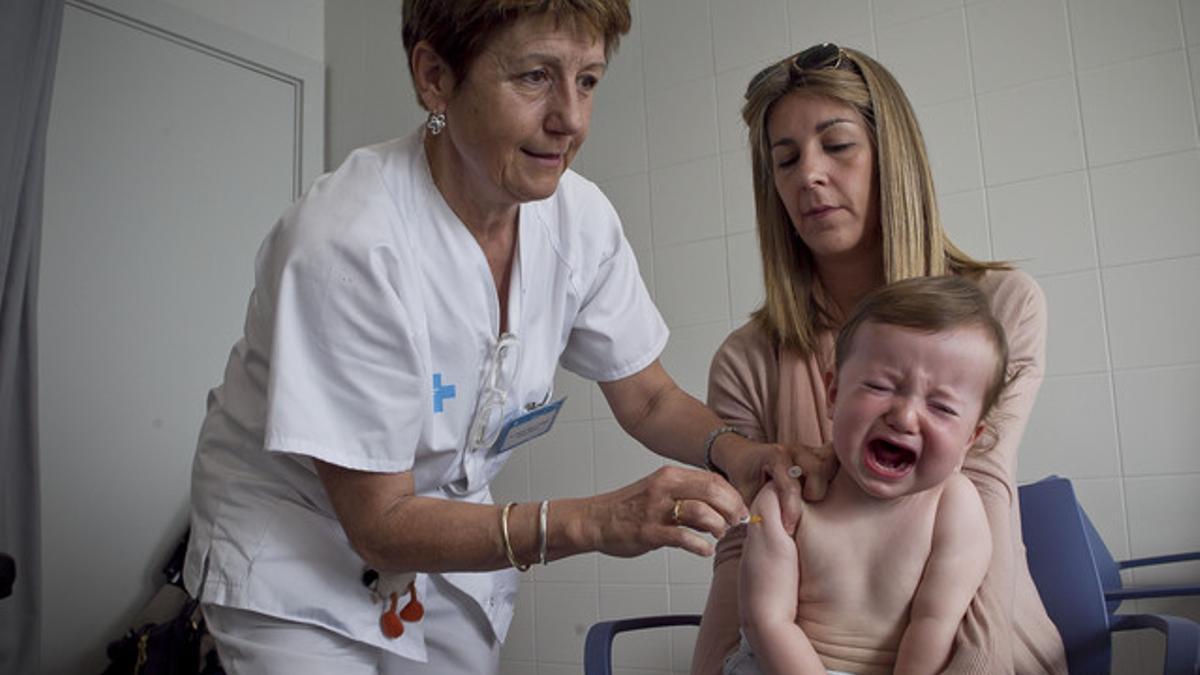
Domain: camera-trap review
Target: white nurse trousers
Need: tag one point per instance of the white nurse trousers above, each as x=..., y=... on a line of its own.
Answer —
x=458, y=639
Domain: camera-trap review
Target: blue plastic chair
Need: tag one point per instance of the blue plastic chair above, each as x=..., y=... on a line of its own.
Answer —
x=597, y=649
x=1080, y=584
x=1110, y=572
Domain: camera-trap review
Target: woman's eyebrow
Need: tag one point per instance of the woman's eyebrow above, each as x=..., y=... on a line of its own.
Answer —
x=832, y=121
x=822, y=126
x=556, y=60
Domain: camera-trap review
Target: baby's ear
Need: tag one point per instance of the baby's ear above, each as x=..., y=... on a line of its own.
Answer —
x=980, y=427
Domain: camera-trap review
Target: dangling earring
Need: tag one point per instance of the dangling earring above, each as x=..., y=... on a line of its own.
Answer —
x=436, y=122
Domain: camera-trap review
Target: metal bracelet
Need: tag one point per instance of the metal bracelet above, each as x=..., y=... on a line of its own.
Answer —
x=708, y=447
x=508, y=549
x=543, y=512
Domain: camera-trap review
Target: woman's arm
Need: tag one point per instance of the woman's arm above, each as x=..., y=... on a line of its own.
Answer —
x=961, y=550
x=741, y=381
x=395, y=530
x=669, y=421
x=984, y=643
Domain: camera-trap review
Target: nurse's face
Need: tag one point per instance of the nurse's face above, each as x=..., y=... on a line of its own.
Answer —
x=519, y=116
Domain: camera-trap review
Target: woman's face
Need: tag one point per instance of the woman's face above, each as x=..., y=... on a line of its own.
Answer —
x=824, y=169
x=519, y=116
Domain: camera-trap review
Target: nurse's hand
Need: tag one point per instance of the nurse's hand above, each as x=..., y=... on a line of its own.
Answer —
x=670, y=507
x=750, y=464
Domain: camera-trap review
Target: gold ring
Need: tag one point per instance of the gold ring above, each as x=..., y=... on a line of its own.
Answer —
x=675, y=512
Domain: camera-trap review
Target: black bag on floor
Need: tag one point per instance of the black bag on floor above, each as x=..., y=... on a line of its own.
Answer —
x=170, y=648
x=171, y=639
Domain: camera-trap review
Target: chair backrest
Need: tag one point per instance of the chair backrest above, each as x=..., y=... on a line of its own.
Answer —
x=1106, y=566
x=597, y=647
x=1063, y=562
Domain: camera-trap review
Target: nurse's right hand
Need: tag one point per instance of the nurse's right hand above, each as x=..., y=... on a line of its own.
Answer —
x=670, y=507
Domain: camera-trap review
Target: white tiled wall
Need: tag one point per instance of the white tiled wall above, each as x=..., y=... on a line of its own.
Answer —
x=1063, y=135
x=295, y=25
x=369, y=96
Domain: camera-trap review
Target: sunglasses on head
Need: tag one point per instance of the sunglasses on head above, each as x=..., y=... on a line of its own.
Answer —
x=816, y=57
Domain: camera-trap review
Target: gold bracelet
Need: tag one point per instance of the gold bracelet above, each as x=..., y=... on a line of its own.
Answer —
x=508, y=549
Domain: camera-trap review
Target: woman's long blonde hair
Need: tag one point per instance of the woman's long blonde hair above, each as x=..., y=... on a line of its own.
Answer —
x=914, y=243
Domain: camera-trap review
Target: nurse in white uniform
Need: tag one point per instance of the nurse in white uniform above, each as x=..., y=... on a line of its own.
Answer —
x=400, y=341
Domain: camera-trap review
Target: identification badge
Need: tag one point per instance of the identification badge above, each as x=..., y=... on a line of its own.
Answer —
x=527, y=426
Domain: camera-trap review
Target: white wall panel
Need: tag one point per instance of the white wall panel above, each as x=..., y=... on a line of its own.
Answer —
x=814, y=21
x=1044, y=224
x=1111, y=31
x=952, y=139
x=296, y=25
x=562, y=616
x=686, y=201
x=174, y=144
x=1072, y=431
x=1030, y=131
x=1157, y=410
x=1037, y=26
x=1153, y=312
x=929, y=57
x=965, y=217
x=889, y=13
x=746, y=33
x=1148, y=209
x=1075, y=343
x=682, y=122
x=679, y=47
x=1118, y=123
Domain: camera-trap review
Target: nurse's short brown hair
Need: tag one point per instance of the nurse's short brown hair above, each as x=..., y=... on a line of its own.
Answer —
x=459, y=30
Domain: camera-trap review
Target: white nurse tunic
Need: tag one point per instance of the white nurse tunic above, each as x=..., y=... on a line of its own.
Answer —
x=367, y=335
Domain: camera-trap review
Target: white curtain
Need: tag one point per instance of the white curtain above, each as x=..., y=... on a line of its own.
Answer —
x=29, y=33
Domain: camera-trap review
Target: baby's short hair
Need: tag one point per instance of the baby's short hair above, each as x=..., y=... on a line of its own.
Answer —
x=933, y=305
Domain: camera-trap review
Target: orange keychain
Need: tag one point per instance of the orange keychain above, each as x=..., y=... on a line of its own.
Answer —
x=391, y=622
x=414, y=610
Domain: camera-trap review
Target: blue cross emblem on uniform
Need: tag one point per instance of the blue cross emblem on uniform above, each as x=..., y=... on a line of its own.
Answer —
x=440, y=392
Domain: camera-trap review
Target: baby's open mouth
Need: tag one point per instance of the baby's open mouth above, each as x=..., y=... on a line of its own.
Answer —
x=889, y=458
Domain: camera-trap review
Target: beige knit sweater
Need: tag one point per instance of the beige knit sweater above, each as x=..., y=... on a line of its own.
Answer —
x=779, y=396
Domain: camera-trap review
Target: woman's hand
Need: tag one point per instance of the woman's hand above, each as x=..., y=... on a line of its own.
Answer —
x=770, y=574
x=667, y=508
x=750, y=464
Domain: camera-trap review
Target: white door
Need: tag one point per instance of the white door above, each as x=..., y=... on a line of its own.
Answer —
x=174, y=144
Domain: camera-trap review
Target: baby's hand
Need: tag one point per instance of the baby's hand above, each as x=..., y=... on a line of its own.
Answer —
x=770, y=573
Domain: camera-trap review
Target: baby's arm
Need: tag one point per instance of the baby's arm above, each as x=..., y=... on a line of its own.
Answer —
x=768, y=587
x=958, y=560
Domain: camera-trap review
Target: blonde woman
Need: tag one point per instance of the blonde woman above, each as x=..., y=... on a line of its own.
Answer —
x=845, y=203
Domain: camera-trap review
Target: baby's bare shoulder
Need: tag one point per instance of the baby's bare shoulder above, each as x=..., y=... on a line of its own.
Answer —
x=961, y=518
x=958, y=492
